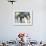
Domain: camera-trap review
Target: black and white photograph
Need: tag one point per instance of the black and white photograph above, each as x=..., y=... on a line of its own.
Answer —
x=23, y=18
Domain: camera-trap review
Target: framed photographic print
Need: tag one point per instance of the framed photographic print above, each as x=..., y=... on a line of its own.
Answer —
x=23, y=17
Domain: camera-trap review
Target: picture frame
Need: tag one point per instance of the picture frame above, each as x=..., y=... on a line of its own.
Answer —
x=23, y=17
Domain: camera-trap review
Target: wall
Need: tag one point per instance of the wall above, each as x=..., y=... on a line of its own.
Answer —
x=37, y=30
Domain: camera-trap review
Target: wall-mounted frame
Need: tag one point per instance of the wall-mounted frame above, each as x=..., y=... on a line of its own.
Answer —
x=23, y=17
